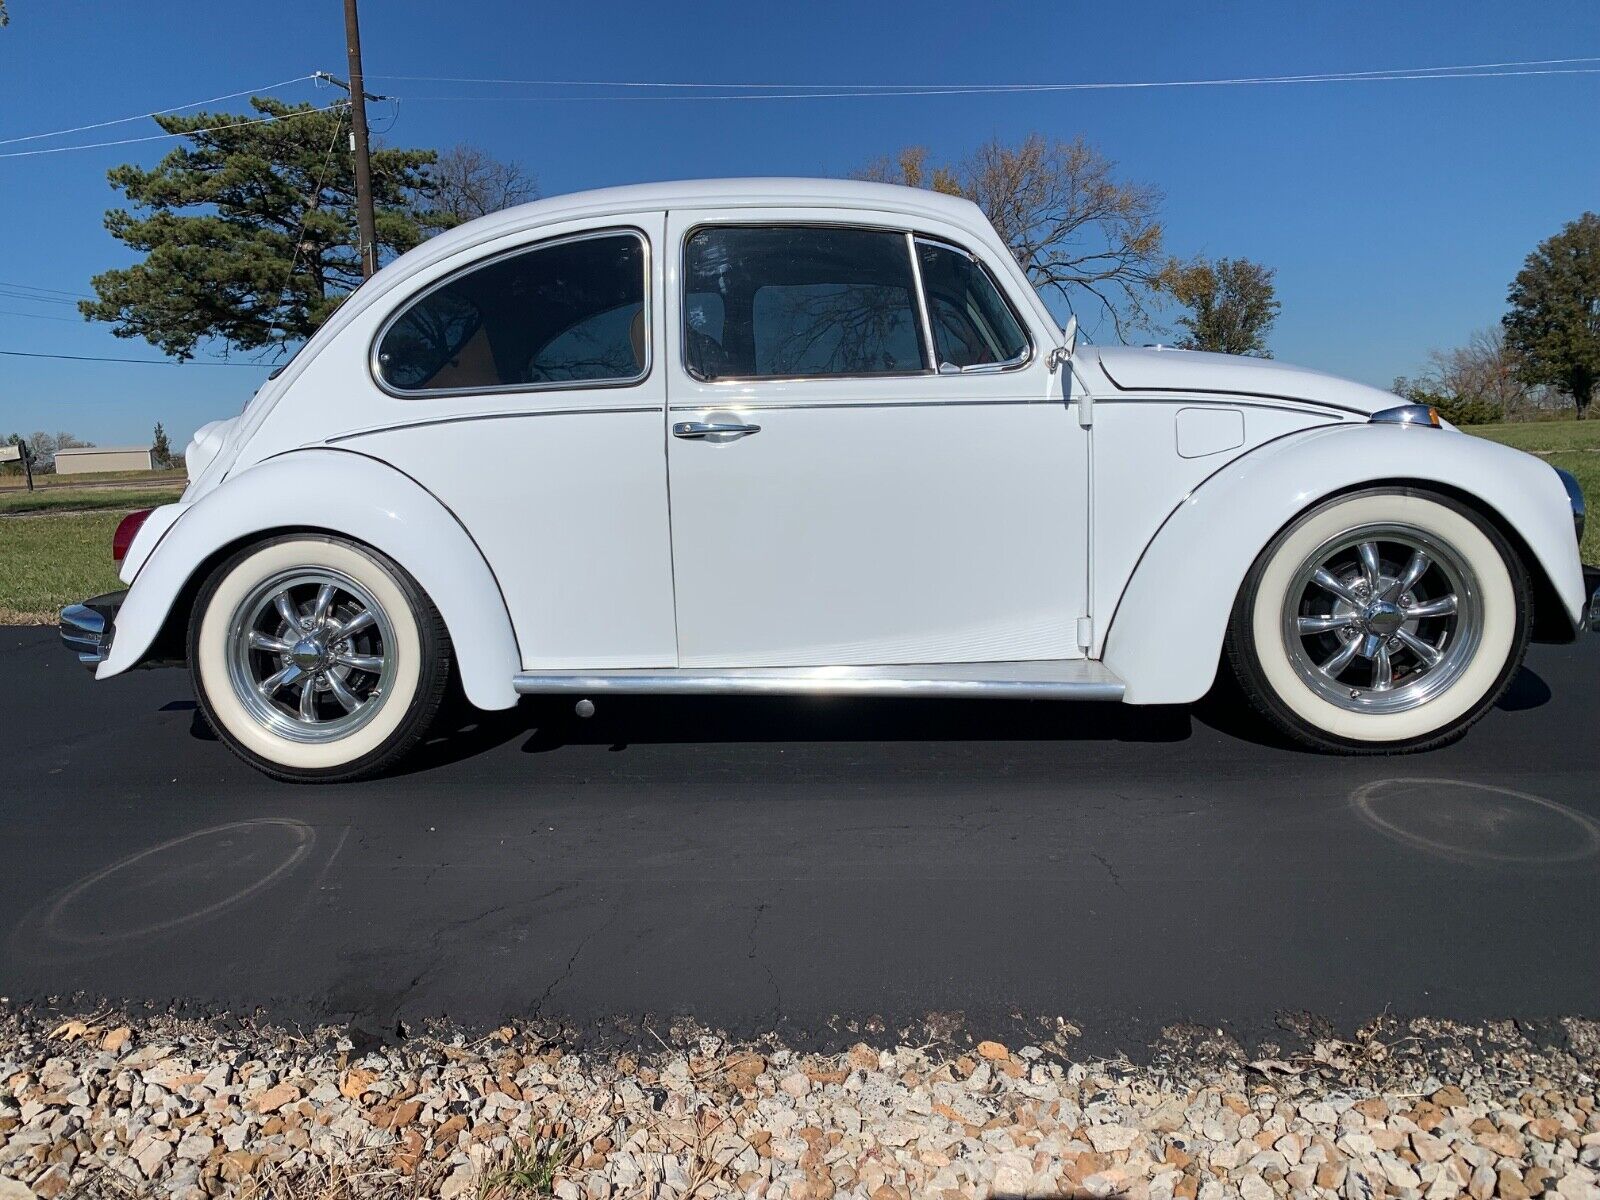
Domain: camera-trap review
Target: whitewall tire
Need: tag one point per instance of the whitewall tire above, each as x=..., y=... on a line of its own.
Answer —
x=1381, y=621
x=316, y=658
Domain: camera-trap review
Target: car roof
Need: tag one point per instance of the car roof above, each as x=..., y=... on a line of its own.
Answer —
x=770, y=192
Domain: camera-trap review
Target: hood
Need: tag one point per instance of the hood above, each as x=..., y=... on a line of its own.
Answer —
x=1158, y=369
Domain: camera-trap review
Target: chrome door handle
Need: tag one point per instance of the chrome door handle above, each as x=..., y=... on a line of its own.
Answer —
x=713, y=430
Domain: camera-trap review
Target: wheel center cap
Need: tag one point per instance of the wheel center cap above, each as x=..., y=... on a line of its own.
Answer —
x=1383, y=618
x=307, y=654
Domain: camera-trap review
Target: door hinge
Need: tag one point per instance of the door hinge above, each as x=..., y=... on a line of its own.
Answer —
x=1085, y=632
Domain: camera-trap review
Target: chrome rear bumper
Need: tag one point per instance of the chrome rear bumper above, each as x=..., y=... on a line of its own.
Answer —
x=87, y=628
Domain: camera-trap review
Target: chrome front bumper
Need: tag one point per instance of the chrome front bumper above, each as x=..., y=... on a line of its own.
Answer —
x=87, y=628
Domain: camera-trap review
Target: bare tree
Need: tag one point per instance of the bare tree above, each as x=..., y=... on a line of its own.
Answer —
x=1077, y=229
x=909, y=166
x=1479, y=382
x=42, y=449
x=468, y=182
x=1485, y=368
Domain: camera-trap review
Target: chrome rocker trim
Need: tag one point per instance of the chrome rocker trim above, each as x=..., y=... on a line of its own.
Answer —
x=1067, y=679
x=87, y=628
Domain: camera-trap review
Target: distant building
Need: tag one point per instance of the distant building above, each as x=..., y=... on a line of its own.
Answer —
x=81, y=460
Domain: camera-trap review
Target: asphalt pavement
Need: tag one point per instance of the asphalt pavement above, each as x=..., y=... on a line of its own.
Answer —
x=827, y=868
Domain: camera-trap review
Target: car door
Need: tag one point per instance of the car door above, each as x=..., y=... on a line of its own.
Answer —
x=526, y=391
x=855, y=477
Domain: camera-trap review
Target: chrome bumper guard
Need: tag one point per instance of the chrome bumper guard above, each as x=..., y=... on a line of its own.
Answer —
x=87, y=628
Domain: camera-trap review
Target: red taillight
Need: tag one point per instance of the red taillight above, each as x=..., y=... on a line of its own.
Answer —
x=127, y=529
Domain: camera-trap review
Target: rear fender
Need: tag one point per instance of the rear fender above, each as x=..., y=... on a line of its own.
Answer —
x=1165, y=637
x=337, y=492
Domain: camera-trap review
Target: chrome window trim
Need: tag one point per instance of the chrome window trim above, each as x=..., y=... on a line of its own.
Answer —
x=930, y=348
x=999, y=368
x=821, y=222
x=374, y=368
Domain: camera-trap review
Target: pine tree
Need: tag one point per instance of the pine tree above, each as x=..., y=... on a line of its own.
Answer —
x=160, y=448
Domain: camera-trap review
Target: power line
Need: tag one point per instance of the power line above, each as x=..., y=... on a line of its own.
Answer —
x=149, y=362
x=1020, y=90
x=33, y=137
x=8, y=294
x=822, y=90
x=703, y=97
x=29, y=287
x=11, y=312
x=156, y=137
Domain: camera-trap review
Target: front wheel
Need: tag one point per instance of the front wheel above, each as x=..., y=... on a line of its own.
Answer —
x=317, y=659
x=1382, y=621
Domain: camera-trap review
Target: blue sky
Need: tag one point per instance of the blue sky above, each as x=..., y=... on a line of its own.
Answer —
x=1395, y=213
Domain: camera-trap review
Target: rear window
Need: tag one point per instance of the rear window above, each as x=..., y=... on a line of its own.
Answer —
x=569, y=312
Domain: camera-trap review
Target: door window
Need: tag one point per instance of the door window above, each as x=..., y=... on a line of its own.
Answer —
x=772, y=302
x=562, y=314
x=972, y=324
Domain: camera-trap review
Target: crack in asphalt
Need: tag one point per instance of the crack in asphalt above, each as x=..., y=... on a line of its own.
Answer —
x=572, y=962
x=1116, y=879
x=436, y=958
x=753, y=956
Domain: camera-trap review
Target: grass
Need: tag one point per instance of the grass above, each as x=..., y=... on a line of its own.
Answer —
x=57, y=499
x=1543, y=437
x=13, y=479
x=1571, y=445
x=531, y=1173
x=47, y=562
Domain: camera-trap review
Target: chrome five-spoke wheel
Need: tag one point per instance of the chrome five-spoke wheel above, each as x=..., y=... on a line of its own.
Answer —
x=311, y=655
x=1381, y=618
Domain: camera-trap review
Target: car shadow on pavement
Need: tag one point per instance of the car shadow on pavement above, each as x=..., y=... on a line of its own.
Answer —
x=548, y=723
x=1527, y=690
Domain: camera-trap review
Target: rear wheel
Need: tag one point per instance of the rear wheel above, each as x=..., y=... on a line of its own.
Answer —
x=317, y=659
x=1382, y=621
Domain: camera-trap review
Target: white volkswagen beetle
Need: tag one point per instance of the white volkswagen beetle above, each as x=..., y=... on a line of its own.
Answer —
x=779, y=435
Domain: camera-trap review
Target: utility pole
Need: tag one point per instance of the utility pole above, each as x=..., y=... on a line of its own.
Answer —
x=365, y=223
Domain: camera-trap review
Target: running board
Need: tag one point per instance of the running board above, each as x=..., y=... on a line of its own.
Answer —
x=1063, y=679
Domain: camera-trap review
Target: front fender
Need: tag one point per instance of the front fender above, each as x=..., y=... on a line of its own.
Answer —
x=349, y=494
x=1165, y=637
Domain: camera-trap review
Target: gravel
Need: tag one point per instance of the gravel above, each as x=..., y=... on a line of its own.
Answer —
x=116, y=1105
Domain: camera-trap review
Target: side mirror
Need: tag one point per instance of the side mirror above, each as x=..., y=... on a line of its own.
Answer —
x=1061, y=353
